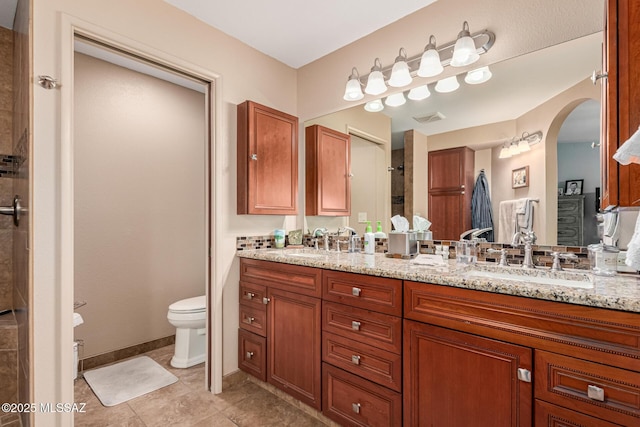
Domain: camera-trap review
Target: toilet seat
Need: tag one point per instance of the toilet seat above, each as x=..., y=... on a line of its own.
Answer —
x=189, y=305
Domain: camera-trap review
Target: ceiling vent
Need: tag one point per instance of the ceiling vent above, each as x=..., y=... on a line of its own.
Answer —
x=430, y=118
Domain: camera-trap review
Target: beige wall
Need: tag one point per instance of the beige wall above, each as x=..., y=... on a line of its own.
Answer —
x=157, y=29
x=139, y=169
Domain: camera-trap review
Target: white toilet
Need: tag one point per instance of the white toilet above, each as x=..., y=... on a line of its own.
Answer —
x=189, y=317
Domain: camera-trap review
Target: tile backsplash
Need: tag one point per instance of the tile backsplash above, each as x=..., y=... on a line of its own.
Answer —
x=541, y=253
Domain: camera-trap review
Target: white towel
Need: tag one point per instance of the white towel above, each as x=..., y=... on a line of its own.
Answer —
x=525, y=214
x=507, y=220
x=629, y=152
x=633, y=249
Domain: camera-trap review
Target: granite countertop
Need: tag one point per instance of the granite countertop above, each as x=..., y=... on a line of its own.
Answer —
x=621, y=292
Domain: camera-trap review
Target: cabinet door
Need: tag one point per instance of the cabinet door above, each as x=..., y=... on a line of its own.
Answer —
x=622, y=183
x=293, y=345
x=267, y=161
x=548, y=415
x=456, y=379
x=450, y=214
x=451, y=169
x=327, y=169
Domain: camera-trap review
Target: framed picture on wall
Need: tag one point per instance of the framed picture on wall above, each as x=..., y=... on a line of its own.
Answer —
x=573, y=187
x=520, y=177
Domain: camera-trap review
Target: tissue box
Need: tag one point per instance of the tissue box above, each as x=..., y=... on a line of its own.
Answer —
x=403, y=243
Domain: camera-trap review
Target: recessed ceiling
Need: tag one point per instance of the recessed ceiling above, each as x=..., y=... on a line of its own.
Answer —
x=297, y=33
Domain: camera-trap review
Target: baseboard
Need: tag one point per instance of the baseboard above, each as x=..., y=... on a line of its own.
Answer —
x=134, y=350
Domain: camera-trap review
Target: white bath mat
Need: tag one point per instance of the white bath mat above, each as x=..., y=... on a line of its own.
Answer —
x=126, y=380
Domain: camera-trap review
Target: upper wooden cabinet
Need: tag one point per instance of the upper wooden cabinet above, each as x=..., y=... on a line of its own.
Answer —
x=450, y=189
x=267, y=161
x=328, y=169
x=621, y=95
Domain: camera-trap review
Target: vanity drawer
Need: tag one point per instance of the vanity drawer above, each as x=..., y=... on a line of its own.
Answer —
x=598, y=390
x=368, y=327
x=293, y=278
x=372, y=363
x=368, y=292
x=548, y=415
x=253, y=319
x=252, y=294
x=352, y=401
x=252, y=354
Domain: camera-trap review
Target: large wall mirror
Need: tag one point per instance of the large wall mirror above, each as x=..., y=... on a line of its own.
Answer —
x=548, y=91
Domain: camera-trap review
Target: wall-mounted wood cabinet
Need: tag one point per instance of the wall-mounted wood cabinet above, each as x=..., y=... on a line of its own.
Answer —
x=450, y=189
x=328, y=170
x=267, y=161
x=621, y=100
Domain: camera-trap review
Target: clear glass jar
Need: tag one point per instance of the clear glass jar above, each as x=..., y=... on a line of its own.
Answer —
x=603, y=259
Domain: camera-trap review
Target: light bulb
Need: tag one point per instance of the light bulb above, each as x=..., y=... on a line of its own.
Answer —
x=419, y=93
x=430, y=64
x=400, y=75
x=395, y=100
x=480, y=75
x=464, y=52
x=353, y=89
x=447, y=85
x=375, y=82
x=374, y=106
x=504, y=153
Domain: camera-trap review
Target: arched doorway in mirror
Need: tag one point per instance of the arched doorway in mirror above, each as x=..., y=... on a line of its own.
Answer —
x=578, y=174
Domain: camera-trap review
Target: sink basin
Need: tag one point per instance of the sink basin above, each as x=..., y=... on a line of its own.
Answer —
x=570, y=279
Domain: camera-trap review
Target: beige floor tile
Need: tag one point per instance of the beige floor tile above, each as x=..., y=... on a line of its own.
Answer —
x=185, y=410
x=97, y=415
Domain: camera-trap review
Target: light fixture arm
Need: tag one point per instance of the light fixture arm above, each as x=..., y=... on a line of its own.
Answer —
x=484, y=40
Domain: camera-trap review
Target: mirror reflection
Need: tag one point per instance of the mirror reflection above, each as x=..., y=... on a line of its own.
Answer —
x=536, y=92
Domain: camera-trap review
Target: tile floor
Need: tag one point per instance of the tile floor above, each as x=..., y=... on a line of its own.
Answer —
x=187, y=403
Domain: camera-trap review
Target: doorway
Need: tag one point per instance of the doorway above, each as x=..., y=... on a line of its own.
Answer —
x=141, y=174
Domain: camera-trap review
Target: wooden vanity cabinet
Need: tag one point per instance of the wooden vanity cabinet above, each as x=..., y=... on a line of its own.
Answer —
x=585, y=370
x=287, y=297
x=451, y=184
x=328, y=170
x=362, y=349
x=621, y=100
x=267, y=150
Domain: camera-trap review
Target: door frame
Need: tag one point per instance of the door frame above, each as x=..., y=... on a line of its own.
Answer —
x=70, y=27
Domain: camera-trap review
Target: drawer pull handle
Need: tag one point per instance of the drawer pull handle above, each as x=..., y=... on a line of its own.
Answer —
x=355, y=407
x=249, y=320
x=355, y=325
x=249, y=354
x=524, y=375
x=355, y=359
x=249, y=295
x=355, y=291
x=265, y=300
x=595, y=393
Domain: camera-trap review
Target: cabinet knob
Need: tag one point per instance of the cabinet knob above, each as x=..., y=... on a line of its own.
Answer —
x=595, y=393
x=249, y=320
x=254, y=157
x=355, y=407
x=524, y=375
x=249, y=295
x=355, y=291
x=597, y=76
x=355, y=359
x=249, y=354
x=265, y=300
x=355, y=325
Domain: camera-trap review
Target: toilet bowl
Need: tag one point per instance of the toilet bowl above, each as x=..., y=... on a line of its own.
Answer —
x=189, y=317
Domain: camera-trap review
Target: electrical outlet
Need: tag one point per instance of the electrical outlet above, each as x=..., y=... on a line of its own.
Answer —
x=362, y=217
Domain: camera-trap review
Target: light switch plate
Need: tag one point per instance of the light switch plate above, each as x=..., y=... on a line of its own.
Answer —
x=362, y=217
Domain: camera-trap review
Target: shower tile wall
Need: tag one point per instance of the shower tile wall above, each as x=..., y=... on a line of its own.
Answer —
x=6, y=167
x=22, y=90
x=8, y=329
x=397, y=183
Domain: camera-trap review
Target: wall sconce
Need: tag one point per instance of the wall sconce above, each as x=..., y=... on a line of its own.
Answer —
x=395, y=100
x=447, y=85
x=478, y=76
x=464, y=51
x=374, y=106
x=520, y=145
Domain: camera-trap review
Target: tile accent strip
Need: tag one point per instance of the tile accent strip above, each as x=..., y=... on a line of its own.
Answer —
x=8, y=165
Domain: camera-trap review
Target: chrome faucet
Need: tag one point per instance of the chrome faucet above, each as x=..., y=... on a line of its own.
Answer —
x=324, y=233
x=474, y=233
x=529, y=239
x=353, y=240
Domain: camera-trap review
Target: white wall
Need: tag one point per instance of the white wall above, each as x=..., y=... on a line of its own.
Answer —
x=577, y=160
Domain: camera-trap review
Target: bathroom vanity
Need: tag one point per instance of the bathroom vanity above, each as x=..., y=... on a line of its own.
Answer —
x=397, y=343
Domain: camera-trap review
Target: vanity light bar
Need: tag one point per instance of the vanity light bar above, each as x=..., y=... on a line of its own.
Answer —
x=484, y=40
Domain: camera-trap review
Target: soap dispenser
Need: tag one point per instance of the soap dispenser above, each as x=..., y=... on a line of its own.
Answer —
x=379, y=234
x=369, y=240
